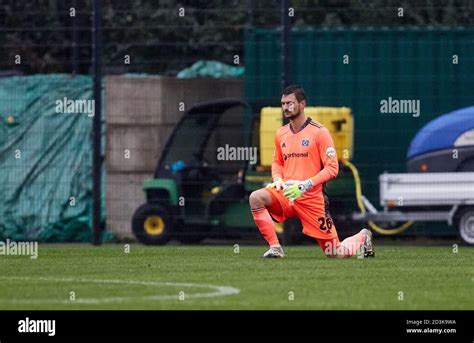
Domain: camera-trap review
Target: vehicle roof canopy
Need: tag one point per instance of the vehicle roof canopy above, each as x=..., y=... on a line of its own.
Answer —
x=442, y=132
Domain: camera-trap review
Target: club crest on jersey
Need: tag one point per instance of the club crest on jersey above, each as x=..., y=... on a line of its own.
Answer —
x=283, y=145
x=330, y=151
x=305, y=142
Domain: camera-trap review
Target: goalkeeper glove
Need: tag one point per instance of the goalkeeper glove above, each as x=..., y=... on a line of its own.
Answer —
x=295, y=189
x=278, y=184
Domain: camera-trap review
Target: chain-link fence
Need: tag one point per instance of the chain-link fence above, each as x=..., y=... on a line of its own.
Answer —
x=158, y=59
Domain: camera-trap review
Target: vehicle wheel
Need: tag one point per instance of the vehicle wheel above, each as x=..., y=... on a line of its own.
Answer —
x=151, y=224
x=466, y=225
x=292, y=232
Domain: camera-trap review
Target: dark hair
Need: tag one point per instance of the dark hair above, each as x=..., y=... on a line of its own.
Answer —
x=298, y=90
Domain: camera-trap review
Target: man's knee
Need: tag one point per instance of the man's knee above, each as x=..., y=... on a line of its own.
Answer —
x=259, y=198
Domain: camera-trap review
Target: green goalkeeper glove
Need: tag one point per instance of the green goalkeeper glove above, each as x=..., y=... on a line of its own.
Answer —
x=295, y=189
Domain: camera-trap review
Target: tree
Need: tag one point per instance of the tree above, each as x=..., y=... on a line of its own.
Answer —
x=165, y=36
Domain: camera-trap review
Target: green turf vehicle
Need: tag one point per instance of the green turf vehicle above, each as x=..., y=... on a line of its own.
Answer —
x=192, y=192
x=206, y=172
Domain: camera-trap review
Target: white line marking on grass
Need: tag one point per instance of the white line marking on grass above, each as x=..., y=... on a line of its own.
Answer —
x=217, y=291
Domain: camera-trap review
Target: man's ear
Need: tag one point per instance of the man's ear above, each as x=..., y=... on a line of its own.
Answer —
x=303, y=103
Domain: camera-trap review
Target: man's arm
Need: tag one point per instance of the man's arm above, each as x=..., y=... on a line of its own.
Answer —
x=277, y=167
x=277, y=161
x=328, y=155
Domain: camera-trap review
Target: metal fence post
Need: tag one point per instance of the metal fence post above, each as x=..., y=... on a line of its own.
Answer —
x=96, y=129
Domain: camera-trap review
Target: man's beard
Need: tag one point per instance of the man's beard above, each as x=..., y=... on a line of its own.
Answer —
x=294, y=115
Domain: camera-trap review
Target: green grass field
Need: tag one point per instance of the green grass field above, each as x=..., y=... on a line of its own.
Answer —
x=184, y=277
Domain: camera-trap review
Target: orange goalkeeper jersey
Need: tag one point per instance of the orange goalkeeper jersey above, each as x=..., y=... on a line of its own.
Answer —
x=306, y=154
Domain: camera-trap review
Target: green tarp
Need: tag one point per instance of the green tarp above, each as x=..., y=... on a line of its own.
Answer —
x=46, y=158
x=213, y=69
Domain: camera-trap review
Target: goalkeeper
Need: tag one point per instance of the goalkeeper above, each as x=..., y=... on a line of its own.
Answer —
x=303, y=161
